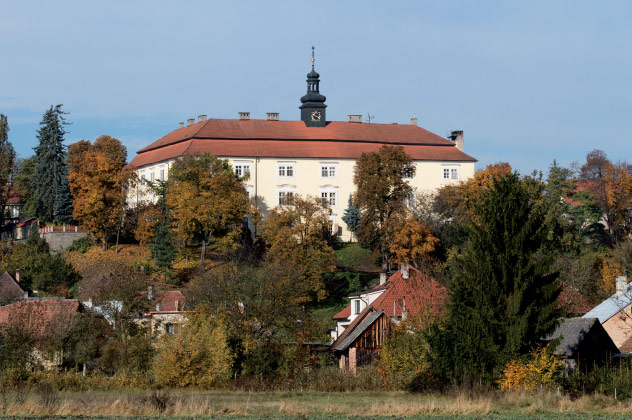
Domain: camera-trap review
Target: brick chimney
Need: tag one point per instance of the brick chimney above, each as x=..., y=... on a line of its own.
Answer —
x=382, y=278
x=190, y=121
x=622, y=285
x=272, y=116
x=17, y=276
x=244, y=116
x=201, y=118
x=181, y=124
x=150, y=292
x=457, y=137
x=355, y=118
x=413, y=120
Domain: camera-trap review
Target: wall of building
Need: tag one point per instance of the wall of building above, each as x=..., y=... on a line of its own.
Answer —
x=306, y=180
x=619, y=327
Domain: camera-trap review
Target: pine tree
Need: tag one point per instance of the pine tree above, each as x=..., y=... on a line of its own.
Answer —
x=352, y=216
x=162, y=248
x=50, y=157
x=503, y=298
x=7, y=158
x=63, y=203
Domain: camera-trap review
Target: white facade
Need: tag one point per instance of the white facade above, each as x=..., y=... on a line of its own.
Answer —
x=275, y=181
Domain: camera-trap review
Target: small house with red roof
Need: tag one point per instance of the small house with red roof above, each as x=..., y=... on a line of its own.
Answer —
x=367, y=321
x=10, y=290
x=167, y=313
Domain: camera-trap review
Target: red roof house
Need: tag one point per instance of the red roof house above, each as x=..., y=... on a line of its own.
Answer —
x=10, y=290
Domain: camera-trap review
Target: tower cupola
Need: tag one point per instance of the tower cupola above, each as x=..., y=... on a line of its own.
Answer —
x=313, y=103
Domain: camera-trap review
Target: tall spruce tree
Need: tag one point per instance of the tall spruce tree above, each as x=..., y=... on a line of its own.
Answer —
x=162, y=248
x=503, y=298
x=7, y=158
x=50, y=158
x=63, y=203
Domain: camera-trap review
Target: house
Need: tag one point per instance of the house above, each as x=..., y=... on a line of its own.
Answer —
x=168, y=311
x=13, y=206
x=10, y=289
x=46, y=320
x=615, y=315
x=18, y=230
x=583, y=342
x=310, y=156
x=364, y=324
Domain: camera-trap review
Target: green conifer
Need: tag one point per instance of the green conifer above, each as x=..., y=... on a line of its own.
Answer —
x=50, y=157
x=7, y=158
x=162, y=248
x=63, y=203
x=503, y=297
x=352, y=216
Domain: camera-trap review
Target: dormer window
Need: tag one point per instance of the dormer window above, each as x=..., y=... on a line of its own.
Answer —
x=356, y=306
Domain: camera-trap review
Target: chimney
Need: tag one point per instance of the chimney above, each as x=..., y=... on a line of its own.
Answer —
x=181, y=124
x=201, y=118
x=382, y=278
x=622, y=285
x=413, y=120
x=190, y=121
x=272, y=116
x=158, y=307
x=405, y=271
x=244, y=116
x=150, y=292
x=17, y=276
x=404, y=311
x=355, y=118
x=457, y=137
x=177, y=305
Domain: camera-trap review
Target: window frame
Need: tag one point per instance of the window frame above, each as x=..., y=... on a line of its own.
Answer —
x=328, y=166
x=329, y=189
x=285, y=190
x=450, y=171
x=286, y=165
x=245, y=166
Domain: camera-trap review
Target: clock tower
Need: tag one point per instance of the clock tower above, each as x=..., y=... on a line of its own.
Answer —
x=313, y=103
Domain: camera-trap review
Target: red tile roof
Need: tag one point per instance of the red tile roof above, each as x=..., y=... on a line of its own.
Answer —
x=171, y=301
x=41, y=316
x=573, y=302
x=344, y=314
x=9, y=289
x=14, y=197
x=283, y=139
x=420, y=294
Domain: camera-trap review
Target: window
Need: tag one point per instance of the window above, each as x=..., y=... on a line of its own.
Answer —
x=328, y=170
x=286, y=169
x=328, y=198
x=286, y=195
x=242, y=168
x=162, y=174
x=357, y=306
x=333, y=228
x=248, y=190
x=151, y=177
x=451, y=172
x=170, y=328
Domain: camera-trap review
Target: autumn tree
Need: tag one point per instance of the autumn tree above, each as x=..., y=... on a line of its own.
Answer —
x=207, y=202
x=298, y=236
x=503, y=299
x=22, y=181
x=197, y=355
x=413, y=242
x=50, y=162
x=611, y=186
x=7, y=158
x=98, y=181
x=381, y=194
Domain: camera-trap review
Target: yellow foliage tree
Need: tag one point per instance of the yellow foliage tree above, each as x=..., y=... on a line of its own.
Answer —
x=413, y=243
x=196, y=356
x=541, y=368
x=148, y=220
x=97, y=181
x=206, y=201
x=297, y=236
x=403, y=351
x=609, y=270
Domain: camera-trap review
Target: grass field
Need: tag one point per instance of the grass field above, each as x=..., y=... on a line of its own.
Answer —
x=187, y=404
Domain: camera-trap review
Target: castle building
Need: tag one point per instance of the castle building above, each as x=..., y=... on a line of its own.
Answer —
x=309, y=157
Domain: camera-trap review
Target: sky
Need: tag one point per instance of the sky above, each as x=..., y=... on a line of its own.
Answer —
x=528, y=82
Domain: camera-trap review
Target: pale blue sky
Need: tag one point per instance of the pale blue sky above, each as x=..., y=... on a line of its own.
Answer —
x=528, y=81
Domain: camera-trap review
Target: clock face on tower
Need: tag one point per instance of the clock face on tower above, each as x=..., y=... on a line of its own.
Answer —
x=315, y=116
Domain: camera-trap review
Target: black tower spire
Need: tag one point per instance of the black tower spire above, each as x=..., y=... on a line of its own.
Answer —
x=313, y=103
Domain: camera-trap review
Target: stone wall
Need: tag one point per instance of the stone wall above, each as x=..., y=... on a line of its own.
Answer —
x=59, y=241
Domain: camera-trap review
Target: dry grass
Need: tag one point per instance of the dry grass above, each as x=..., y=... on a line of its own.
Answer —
x=202, y=403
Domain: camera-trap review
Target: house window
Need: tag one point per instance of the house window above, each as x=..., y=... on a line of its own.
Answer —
x=151, y=177
x=286, y=169
x=242, y=168
x=248, y=190
x=162, y=174
x=286, y=196
x=411, y=200
x=451, y=172
x=328, y=170
x=333, y=229
x=328, y=196
x=357, y=306
x=170, y=328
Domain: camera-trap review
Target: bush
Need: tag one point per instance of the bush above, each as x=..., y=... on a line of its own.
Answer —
x=541, y=367
x=80, y=245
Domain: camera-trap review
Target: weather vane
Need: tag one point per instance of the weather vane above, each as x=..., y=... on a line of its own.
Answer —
x=312, y=57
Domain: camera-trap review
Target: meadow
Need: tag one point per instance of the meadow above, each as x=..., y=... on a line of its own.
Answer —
x=42, y=403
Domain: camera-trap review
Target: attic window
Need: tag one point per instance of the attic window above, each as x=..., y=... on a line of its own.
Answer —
x=357, y=306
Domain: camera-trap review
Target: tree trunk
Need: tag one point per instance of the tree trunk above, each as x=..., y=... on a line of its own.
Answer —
x=203, y=253
x=118, y=234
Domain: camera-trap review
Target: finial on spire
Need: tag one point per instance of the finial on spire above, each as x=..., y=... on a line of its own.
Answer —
x=312, y=57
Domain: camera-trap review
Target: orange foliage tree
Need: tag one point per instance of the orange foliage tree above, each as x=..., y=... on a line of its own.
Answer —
x=98, y=181
x=207, y=201
x=298, y=239
x=413, y=243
